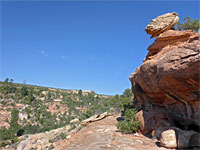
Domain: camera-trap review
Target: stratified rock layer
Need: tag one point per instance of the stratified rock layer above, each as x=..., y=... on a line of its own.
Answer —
x=168, y=80
x=162, y=23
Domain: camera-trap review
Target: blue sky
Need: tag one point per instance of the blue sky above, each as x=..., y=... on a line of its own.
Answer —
x=80, y=44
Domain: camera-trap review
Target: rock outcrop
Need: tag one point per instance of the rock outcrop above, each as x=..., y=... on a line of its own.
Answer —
x=95, y=118
x=169, y=77
x=168, y=82
x=162, y=23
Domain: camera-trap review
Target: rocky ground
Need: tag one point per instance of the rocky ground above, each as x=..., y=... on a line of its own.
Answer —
x=103, y=135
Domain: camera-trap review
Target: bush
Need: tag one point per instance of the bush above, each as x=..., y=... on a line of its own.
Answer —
x=7, y=135
x=89, y=113
x=188, y=24
x=127, y=93
x=24, y=91
x=128, y=124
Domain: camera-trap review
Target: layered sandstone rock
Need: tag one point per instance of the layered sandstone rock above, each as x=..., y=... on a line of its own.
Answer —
x=168, y=80
x=162, y=23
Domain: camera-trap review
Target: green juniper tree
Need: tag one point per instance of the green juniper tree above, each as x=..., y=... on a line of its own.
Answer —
x=188, y=24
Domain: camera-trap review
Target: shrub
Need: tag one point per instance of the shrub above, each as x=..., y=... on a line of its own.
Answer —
x=127, y=93
x=128, y=124
x=188, y=24
x=30, y=96
x=80, y=92
x=7, y=135
x=89, y=113
x=24, y=91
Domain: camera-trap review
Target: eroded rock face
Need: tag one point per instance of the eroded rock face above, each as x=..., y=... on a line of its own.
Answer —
x=168, y=80
x=162, y=23
x=153, y=121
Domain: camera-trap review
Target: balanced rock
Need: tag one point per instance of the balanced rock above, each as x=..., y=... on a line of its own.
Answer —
x=162, y=23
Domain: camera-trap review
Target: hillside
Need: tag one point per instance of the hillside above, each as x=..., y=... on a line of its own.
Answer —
x=33, y=109
x=28, y=109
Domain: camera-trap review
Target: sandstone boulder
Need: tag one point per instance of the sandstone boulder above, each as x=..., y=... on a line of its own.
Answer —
x=162, y=23
x=168, y=139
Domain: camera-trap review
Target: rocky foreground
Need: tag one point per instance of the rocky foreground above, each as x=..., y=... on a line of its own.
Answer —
x=166, y=89
x=98, y=132
x=104, y=135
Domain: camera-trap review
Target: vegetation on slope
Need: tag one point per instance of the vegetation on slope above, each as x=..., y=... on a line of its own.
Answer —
x=36, y=109
x=128, y=124
x=31, y=109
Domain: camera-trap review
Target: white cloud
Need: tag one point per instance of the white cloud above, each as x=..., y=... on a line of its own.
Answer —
x=43, y=53
x=64, y=57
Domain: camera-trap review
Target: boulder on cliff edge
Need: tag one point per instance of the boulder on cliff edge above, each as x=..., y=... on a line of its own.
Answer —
x=162, y=23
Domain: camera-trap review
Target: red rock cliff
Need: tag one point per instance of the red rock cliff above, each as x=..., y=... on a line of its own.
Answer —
x=168, y=80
